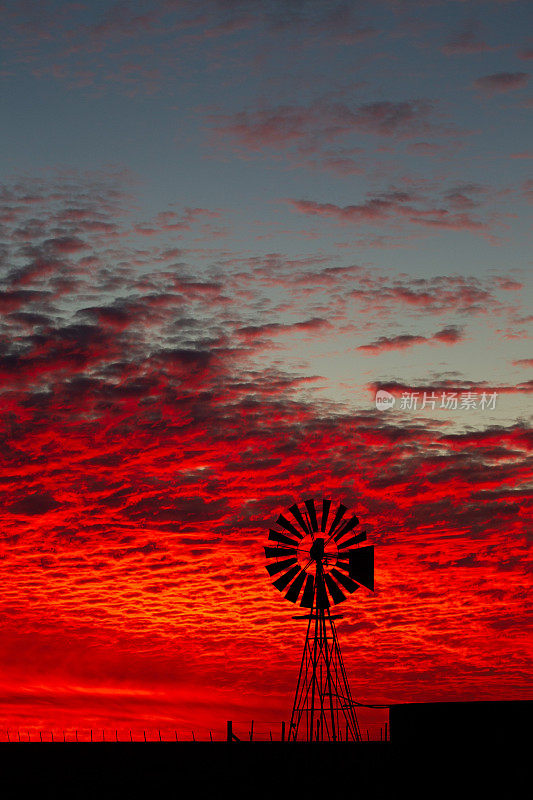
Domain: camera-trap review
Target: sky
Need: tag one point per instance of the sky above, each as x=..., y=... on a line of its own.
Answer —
x=225, y=225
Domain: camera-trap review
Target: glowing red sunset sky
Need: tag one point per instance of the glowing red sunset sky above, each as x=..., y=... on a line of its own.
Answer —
x=224, y=226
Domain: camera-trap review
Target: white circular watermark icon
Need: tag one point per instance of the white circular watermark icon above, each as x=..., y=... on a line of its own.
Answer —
x=384, y=400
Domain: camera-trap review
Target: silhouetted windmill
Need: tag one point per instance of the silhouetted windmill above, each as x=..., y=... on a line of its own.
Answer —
x=311, y=559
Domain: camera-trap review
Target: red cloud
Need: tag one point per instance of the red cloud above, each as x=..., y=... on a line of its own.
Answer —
x=449, y=335
x=268, y=329
x=172, y=221
x=526, y=53
x=393, y=343
x=502, y=81
x=393, y=205
x=308, y=129
x=12, y=299
x=278, y=126
x=388, y=118
x=66, y=244
x=466, y=40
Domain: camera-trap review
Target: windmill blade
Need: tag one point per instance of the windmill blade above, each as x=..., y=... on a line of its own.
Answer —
x=344, y=581
x=297, y=514
x=336, y=595
x=309, y=592
x=276, y=552
x=341, y=511
x=326, y=505
x=310, y=506
x=284, y=581
x=283, y=522
x=280, y=566
x=294, y=589
x=362, y=566
x=346, y=528
x=276, y=536
x=361, y=537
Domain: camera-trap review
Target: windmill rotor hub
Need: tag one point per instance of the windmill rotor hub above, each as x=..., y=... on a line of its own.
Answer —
x=317, y=549
x=313, y=551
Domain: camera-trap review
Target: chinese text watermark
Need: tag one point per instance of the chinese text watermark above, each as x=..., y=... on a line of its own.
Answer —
x=452, y=401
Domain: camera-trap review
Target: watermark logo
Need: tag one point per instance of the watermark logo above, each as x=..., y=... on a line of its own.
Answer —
x=452, y=401
x=384, y=400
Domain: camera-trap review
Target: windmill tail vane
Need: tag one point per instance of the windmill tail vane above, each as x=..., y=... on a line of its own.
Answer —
x=314, y=558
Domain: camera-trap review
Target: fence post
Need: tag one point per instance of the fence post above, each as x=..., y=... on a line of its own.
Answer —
x=283, y=730
x=230, y=736
x=252, y=731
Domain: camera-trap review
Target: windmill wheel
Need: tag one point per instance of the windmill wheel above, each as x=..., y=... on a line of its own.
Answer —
x=314, y=558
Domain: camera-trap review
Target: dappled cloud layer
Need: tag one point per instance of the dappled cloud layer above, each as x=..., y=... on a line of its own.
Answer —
x=147, y=447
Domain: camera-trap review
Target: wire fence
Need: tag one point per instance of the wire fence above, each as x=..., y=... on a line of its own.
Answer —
x=243, y=730
x=107, y=735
